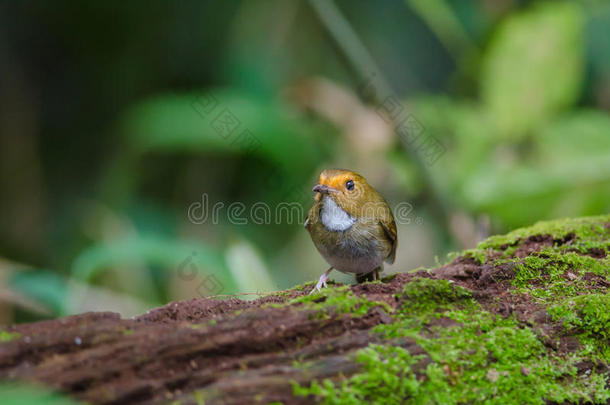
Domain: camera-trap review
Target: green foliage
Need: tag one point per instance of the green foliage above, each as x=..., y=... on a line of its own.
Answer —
x=519, y=153
x=173, y=123
x=22, y=394
x=534, y=66
x=558, y=173
x=261, y=129
x=42, y=286
x=134, y=251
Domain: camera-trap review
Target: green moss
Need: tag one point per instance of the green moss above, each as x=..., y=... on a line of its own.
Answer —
x=475, y=357
x=589, y=228
x=587, y=234
x=338, y=299
x=589, y=317
x=386, y=378
x=572, y=302
x=198, y=398
x=543, y=274
x=305, y=287
x=389, y=278
x=428, y=294
x=478, y=255
x=6, y=336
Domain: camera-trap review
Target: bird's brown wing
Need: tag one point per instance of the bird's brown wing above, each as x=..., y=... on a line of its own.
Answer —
x=312, y=215
x=389, y=228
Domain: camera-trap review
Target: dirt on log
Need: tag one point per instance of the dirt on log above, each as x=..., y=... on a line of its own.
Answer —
x=520, y=319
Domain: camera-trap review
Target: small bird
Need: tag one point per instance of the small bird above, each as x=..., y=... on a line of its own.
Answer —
x=351, y=225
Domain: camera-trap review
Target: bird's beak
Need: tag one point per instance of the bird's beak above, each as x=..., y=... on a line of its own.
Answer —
x=324, y=189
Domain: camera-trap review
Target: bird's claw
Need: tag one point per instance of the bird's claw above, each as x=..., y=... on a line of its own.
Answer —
x=321, y=283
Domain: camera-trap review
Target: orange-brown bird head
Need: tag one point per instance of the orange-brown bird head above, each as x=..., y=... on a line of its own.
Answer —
x=348, y=189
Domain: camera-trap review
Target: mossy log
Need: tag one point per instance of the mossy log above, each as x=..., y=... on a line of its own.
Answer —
x=523, y=318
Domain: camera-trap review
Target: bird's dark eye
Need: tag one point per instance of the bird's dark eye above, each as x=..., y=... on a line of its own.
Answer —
x=349, y=185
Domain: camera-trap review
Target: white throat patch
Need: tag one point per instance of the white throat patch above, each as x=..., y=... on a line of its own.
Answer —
x=333, y=217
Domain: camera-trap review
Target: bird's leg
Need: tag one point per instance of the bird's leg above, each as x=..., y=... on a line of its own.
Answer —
x=376, y=274
x=373, y=275
x=321, y=281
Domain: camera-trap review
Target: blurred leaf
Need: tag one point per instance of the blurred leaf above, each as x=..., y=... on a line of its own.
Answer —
x=222, y=121
x=443, y=21
x=61, y=296
x=43, y=286
x=533, y=67
x=248, y=268
x=136, y=251
x=598, y=38
x=568, y=175
x=565, y=170
x=584, y=133
x=404, y=171
x=464, y=131
x=270, y=149
x=24, y=394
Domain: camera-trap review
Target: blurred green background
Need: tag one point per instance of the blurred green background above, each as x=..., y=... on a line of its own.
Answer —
x=117, y=119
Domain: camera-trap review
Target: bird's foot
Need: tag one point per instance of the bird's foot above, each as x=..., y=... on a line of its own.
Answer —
x=321, y=282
